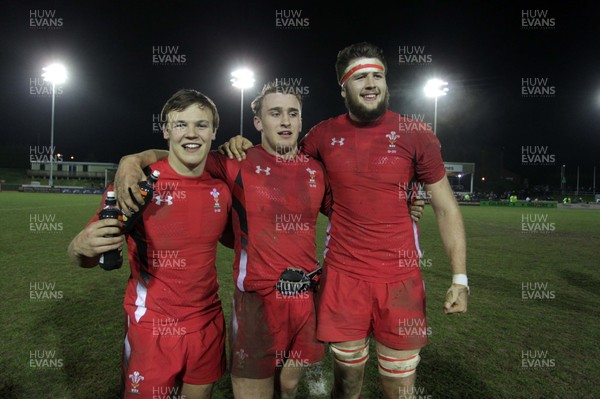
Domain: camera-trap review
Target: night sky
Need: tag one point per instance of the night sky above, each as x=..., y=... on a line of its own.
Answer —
x=485, y=50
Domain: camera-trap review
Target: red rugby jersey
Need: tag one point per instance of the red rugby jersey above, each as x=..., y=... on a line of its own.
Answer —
x=172, y=253
x=373, y=168
x=274, y=212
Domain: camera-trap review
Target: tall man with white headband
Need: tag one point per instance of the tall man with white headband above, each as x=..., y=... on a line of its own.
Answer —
x=372, y=283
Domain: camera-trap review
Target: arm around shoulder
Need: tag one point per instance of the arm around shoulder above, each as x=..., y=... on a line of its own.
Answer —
x=129, y=173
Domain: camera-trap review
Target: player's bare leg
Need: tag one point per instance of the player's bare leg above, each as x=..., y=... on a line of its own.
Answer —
x=397, y=371
x=287, y=383
x=189, y=391
x=249, y=388
x=349, y=363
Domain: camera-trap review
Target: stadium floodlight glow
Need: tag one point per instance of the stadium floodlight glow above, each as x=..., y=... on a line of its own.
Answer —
x=435, y=88
x=55, y=74
x=242, y=79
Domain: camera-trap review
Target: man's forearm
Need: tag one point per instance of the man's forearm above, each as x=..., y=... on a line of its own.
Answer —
x=452, y=231
x=148, y=157
x=450, y=224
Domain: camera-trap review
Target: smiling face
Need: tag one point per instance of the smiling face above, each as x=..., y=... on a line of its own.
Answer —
x=365, y=94
x=190, y=133
x=280, y=123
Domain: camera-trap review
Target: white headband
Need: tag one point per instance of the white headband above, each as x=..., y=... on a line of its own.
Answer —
x=362, y=65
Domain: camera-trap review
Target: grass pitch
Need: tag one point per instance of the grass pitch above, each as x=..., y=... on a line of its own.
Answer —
x=531, y=331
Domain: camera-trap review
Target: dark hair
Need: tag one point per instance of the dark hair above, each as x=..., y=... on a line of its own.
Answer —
x=354, y=51
x=274, y=86
x=183, y=99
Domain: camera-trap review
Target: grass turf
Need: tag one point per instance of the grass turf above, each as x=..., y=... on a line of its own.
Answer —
x=62, y=326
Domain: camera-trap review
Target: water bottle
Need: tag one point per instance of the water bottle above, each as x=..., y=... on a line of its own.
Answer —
x=113, y=259
x=147, y=190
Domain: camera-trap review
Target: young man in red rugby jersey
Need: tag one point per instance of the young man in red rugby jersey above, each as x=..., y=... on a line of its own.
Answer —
x=175, y=341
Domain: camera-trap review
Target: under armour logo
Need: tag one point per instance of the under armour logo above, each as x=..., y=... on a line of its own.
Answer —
x=334, y=141
x=159, y=200
x=267, y=170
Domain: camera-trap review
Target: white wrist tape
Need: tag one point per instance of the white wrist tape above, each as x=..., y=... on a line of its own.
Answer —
x=460, y=279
